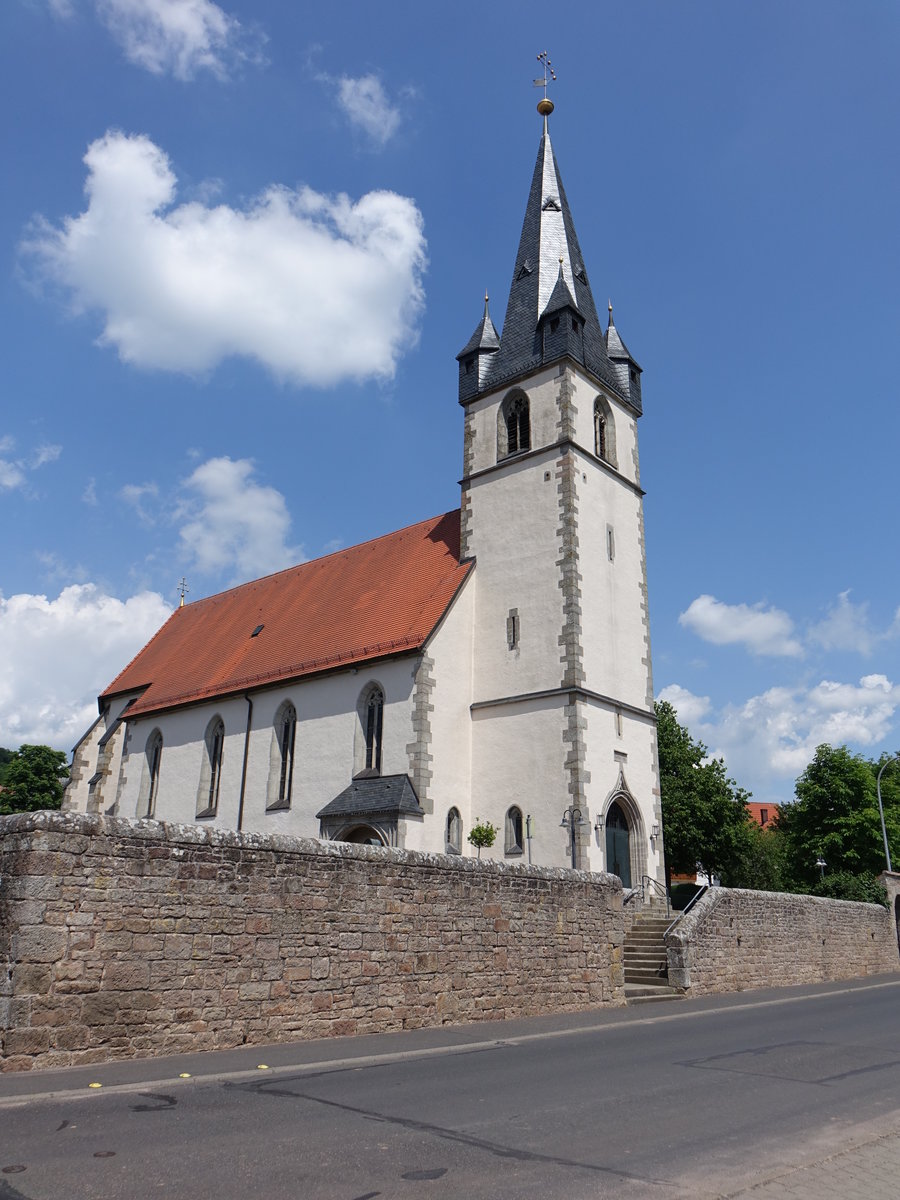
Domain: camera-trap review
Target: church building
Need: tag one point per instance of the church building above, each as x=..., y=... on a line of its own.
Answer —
x=488, y=665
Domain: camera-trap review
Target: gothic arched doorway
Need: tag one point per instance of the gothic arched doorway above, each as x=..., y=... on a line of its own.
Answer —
x=618, y=844
x=362, y=835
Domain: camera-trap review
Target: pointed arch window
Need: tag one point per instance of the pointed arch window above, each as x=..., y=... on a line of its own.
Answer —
x=453, y=833
x=211, y=769
x=513, y=425
x=371, y=715
x=514, y=833
x=604, y=431
x=150, y=774
x=281, y=758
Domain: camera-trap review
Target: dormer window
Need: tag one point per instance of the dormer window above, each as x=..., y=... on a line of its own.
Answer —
x=470, y=363
x=554, y=324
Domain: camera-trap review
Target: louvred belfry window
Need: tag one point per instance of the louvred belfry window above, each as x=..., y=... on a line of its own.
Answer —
x=518, y=432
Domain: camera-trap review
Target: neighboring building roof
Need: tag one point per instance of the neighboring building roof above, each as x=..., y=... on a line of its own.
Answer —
x=548, y=236
x=379, y=598
x=763, y=814
x=384, y=795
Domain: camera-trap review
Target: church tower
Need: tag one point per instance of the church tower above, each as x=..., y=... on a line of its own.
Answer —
x=563, y=728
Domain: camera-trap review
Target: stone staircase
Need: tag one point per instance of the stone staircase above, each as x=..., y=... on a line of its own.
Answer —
x=646, y=968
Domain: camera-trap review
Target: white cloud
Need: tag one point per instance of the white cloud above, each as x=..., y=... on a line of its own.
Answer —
x=847, y=626
x=760, y=630
x=235, y=523
x=89, y=495
x=58, y=654
x=768, y=739
x=11, y=475
x=318, y=289
x=173, y=37
x=367, y=106
x=690, y=708
x=45, y=454
x=13, y=472
x=136, y=495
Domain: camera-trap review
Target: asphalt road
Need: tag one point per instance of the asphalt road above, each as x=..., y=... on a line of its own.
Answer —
x=692, y=1098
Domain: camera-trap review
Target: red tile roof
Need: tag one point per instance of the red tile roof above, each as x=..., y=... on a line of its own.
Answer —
x=756, y=812
x=382, y=597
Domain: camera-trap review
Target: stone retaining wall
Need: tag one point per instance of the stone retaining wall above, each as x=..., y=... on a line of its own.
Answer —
x=734, y=939
x=125, y=938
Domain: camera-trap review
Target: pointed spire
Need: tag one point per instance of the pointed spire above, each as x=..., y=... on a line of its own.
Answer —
x=549, y=274
x=485, y=337
x=615, y=347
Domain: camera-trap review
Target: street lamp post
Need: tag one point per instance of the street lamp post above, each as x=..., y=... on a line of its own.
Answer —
x=821, y=864
x=887, y=849
x=572, y=818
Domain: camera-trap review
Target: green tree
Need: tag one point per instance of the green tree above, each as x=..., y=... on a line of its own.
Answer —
x=35, y=777
x=705, y=818
x=5, y=756
x=835, y=815
x=761, y=862
x=482, y=833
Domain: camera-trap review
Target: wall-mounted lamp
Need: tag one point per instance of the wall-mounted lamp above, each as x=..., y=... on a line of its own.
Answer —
x=654, y=831
x=572, y=819
x=598, y=824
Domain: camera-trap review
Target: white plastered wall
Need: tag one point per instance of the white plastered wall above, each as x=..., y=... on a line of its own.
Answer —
x=517, y=759
x=451, y=650
x=323, y=754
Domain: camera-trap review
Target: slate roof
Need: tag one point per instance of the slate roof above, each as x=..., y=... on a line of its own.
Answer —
x=384, y=795
x=548, y=235
x=382, y=597
x=485, y=336
x=615, y=347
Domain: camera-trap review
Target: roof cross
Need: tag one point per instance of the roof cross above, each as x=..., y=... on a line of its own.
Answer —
x=183, y=589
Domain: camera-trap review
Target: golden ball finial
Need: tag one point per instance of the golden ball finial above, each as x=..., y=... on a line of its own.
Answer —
x=545, y=107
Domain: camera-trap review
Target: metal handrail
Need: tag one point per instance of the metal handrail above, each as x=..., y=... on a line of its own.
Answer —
x=630, y=895
x=701, y=891
x=648, y=882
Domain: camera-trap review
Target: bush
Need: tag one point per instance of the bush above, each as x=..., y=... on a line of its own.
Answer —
x=844, y=885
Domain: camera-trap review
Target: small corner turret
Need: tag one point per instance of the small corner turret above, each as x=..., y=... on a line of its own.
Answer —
x=475, y=357
x=628, y=373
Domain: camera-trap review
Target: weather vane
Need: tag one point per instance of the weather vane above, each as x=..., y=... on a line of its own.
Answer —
x=183, y=589
x=545, y=106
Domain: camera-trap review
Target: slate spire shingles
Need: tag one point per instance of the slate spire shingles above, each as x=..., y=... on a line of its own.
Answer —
x=382, y=597
x=549, y=258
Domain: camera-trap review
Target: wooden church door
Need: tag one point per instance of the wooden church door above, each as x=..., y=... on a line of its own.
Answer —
x=618, y=845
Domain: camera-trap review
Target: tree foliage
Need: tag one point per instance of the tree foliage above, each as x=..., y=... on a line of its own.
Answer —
x=34, y=779
x=705, y=818
x=5, y=756
x=835, y=815
x=482, y=833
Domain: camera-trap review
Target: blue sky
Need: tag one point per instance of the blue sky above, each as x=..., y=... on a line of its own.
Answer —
x=241, y=244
